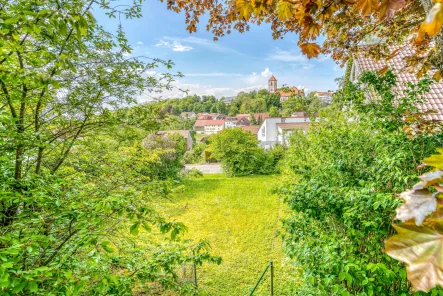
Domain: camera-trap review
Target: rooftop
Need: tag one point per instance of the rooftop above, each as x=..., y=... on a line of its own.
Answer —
x=398, y=65
x=205, y=122
x=294, y=125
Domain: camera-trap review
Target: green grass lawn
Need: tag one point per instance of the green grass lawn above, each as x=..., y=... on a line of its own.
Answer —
x=240, y=217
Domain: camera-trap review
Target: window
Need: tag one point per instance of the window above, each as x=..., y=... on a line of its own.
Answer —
x=283, y=120
x=263, y=131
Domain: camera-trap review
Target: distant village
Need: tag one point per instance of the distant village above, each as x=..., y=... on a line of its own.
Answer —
x=268, y=130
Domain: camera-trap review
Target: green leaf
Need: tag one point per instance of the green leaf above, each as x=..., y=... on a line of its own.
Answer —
x=134, y=228
x=106, y=245
x=33, y=287
x=146, y=226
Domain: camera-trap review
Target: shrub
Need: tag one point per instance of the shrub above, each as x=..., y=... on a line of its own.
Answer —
x=342, y=178
x=194, y=173
x=240, y=154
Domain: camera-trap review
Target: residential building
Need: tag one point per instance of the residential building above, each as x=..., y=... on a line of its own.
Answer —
x=185, y=133
x=243, y=115
x=208, y=127
x=399, y=67
x=217, y=116
x=260, y=117
x=275, y=130
x=244, y=121
x=230, y=122
x=325, y=96
x=284, y=93
x=228, y=100
x=188, y=115
x=285, y=130
x=251, y=128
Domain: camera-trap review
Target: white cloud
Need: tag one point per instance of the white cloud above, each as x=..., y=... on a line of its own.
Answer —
x=214, y=74
x=307, y=67
x=286, y=56
x=127, y=54
x=207, y=43
x=266, y=73
x=139, y=42
x=162, y=43
x=261, y=79
x=199, y=89
x=175, y=46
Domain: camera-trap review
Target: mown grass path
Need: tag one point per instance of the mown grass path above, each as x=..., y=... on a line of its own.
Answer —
x=240, y=217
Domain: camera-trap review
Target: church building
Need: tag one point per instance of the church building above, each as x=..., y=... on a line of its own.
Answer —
x=284, y=94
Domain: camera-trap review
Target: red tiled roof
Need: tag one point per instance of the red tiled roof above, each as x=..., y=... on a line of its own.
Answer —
x=293, y=125
x=272, y=78
x=262, y=115
x=251, y=128
x=398, y=65
x=324, y=93
x=200, y=122
x=292, y=91
x=239, y=116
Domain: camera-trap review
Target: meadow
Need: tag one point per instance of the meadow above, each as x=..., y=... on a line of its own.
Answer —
x=240, y=217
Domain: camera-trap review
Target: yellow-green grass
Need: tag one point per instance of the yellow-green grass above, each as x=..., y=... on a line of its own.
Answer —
x=240, y=217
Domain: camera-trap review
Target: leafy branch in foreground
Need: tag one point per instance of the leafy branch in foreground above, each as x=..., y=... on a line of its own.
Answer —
x=419, y=242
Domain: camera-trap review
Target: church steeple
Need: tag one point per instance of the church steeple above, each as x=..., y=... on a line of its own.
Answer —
x=272, y=84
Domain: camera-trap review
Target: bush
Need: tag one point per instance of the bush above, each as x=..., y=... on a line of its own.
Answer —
x=240, y=154
x=194, y=173
x=342, y=178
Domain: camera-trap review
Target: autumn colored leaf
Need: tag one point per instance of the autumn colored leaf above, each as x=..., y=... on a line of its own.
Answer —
x=429, y=179
x=310, y=49
x=433, y=22
x=421, y=248
x=367, y=6
x=437, y=76
x=244, y=8
x=388, y=8
x=418, y=204
x=383, y=70
x=435, y=160
x=284, y=10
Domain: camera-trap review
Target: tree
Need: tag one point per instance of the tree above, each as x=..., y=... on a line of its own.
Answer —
x=240, y=154
x=273, y=100
x=292, y=104
x=233, y=110
x=346, y=25
x=273, y=112
x=69, y=209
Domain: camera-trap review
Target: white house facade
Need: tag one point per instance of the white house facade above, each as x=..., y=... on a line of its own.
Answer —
x=276, y=130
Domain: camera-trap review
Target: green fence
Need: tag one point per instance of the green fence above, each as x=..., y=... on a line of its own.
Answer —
x=269, y=266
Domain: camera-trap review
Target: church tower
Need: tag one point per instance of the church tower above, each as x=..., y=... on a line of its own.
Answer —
x=272, y=84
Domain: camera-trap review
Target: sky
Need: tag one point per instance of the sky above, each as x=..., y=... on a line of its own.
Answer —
x=236, y=62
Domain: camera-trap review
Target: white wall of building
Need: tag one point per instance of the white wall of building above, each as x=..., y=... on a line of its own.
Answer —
x=213, y=129
x=268, y=131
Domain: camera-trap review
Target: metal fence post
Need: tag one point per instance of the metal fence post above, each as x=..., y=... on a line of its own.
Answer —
x=195, y=275
x=272, y=278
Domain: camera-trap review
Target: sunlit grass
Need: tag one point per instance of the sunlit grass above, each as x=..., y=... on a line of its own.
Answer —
x=240, y=217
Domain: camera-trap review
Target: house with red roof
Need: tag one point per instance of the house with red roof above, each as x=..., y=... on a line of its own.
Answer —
x=208, y=127
x=398, y=65
x=285, y=92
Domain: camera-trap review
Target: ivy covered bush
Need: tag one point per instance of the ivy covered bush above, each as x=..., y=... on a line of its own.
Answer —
x=342, y=181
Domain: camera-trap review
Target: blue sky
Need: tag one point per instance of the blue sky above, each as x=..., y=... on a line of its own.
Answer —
x=236, y=62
